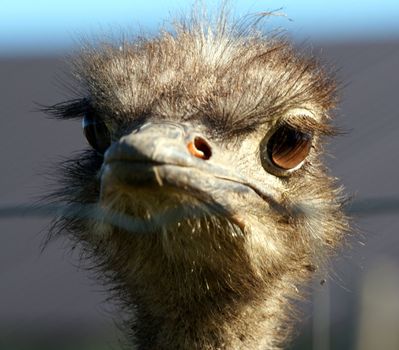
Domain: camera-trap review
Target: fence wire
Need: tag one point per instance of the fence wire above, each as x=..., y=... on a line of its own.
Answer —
x=360, y=207
x=95, y=212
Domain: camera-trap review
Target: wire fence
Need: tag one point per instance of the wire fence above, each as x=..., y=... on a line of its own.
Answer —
x=361, y=207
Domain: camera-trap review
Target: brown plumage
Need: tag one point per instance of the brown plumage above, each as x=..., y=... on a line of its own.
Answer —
x=222, y=125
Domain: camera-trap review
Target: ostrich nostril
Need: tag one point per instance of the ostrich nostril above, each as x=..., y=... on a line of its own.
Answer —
x=200, y=148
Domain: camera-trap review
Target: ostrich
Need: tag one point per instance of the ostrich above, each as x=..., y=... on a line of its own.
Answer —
x=223, y=125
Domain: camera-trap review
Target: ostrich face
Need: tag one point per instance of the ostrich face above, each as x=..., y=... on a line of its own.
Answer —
x=221, y=130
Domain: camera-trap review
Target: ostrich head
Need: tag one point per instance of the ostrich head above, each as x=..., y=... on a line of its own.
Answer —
x=211, y=137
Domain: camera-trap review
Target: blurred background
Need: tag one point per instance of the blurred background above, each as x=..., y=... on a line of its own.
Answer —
x=47, y=302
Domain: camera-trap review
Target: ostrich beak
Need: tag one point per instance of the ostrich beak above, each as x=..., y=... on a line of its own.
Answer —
x=154, y=145
x=167, y=156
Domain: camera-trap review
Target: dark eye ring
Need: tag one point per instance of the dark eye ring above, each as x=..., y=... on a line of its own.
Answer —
x=96, y=133
x=287, y=149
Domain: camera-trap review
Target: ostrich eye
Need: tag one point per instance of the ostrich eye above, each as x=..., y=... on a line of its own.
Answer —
x=96, y=133
x=288, y=147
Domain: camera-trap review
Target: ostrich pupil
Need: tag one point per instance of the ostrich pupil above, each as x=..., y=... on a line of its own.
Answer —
x=96, y=133
x=288, y=147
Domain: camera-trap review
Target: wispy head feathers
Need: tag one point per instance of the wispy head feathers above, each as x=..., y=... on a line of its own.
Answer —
x=231, y=76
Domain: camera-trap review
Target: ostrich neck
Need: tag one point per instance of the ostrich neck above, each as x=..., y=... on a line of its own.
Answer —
x=182, y=309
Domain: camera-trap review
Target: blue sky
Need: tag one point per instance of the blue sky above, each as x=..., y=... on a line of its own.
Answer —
x=46, y=25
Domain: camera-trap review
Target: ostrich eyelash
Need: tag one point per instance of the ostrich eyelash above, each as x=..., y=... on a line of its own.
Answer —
x=71, y=109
